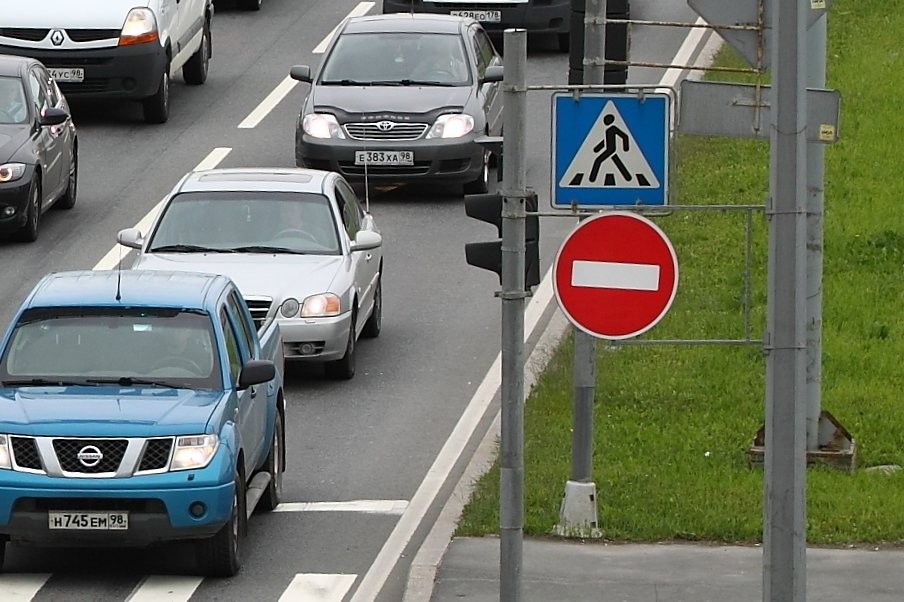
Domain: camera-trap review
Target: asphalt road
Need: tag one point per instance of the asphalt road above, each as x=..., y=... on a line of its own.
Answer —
x=369, y=460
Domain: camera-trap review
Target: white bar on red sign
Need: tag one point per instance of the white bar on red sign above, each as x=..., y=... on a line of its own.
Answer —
x=605, y=274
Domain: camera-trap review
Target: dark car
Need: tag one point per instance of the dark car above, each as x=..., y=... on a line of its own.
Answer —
x=402, y=98
x=38, y=147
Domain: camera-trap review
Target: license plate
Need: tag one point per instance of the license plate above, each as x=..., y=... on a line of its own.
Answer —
x=484, y=16
x=88, y=521
x=387, y=157
x=75, y=74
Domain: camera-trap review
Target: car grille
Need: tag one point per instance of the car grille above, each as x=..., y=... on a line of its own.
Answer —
x=67, y=453
x=89, y=86
x=418, y=169
x=397, y=131
x=29, y=34
x=92, y=35
x=259, y=307
x=156, y=454
x=25, y=452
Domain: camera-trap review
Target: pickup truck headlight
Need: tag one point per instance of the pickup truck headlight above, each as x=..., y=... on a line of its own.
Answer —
x=10, y=172
x=318, y=306
x=452, y=125
x=195, y=451
x=321, y=125
x=140, y=27
x=5, y=461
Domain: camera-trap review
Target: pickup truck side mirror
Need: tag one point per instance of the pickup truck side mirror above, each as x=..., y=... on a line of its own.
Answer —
x=255, y=372
x=366, y=240
x=300, y=72
x=130, y=237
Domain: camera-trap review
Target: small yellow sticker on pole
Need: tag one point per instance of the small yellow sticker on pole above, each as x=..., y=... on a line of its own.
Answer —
x=827, y=132
x=818, y=4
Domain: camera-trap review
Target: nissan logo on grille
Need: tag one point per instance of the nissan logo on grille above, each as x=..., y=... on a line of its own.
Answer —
x=56, y=37
x=385, y=126
x=90, y=456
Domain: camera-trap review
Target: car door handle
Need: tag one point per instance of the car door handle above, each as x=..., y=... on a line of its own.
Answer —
x=368, y=256
x=253, y=392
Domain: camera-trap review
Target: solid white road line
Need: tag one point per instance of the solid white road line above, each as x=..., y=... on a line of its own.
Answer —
x=318, y=587
x=269, y=103
x=168, y=588
x=114, y=255
x=363, y=506
x=448, y=456
x=606, y=274
x=359, y=11
x=21, y=586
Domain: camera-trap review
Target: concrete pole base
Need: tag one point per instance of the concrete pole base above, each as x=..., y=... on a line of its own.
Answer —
x=578, y=514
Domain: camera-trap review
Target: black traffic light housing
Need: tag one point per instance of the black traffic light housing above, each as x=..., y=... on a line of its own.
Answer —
x=488, y=255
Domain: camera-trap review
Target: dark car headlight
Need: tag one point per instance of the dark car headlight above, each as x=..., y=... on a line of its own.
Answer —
x=452, y=125
x=321, y=125
x=10, y=172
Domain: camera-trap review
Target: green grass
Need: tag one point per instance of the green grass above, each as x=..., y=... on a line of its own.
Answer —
x=672, y=424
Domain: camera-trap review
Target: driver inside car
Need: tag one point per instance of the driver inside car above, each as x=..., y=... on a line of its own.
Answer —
x=12, y=101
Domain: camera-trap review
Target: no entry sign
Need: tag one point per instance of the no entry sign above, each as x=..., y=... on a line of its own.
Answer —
x=616, y=274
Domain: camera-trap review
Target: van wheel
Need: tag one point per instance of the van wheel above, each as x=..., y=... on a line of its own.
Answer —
x=220, y=555
x=156, y=107
x=344, y=368
x=276, y=466
x=194, y=71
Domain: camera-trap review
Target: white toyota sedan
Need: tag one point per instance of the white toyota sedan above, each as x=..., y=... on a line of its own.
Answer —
x=297, y=242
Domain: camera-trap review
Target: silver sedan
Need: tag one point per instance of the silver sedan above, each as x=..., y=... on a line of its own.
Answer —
x=297, y=242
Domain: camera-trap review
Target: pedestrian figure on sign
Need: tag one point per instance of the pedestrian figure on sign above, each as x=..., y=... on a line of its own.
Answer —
x=609, y=147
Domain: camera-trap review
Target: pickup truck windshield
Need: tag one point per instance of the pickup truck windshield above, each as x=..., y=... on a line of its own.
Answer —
x=130, y=346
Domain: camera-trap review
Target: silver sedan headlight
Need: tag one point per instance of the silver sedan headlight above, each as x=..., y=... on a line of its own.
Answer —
x=194, y=451
x=10, y=172
x=454, y=125
x=321, y=125
x=319, y=306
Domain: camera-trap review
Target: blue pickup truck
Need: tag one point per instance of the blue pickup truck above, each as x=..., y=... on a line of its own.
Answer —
x=139, y=407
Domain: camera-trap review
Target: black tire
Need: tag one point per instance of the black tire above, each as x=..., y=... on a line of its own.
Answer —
x=220, y=555
x=156, y=107
x=249, y=4
x=564, y=40
x=276, y=466
x=374, y=323
x=344, y=368
x=29, y=231
x=3, y=541
x=194, y=71
x=67, y=201
x=481, y=184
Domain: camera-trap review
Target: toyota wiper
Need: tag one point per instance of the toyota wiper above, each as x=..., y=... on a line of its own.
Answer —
x=344, y=82
x=42, y=382
x=129, y=381
x=268, y=249
x=188, y=249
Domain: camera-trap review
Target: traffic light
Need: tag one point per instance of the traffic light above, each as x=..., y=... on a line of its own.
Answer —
x=488, y=255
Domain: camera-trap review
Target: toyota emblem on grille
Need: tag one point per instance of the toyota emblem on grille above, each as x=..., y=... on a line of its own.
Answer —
x=56, y=37
x=90, y=456
x=385, y=126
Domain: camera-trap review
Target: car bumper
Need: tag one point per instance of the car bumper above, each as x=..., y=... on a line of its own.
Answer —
x=157, y=505
x=117, y=72
x=14, y=201
x=315, y=339
x=551, y=17
x=447, y=160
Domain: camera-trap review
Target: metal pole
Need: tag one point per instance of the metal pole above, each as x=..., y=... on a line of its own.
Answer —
x=514, y=178
x=816, y=78
x=784, y=511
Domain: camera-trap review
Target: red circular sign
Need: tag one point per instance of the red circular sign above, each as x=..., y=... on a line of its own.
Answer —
x=616, y=274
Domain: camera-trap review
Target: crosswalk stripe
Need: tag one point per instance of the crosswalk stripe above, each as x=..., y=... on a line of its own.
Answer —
x=21, y=586
x=396, y=507
x=318, y=587
x=171, y=588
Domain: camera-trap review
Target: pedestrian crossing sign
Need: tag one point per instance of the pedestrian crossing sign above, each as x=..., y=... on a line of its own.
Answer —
x=610, y=149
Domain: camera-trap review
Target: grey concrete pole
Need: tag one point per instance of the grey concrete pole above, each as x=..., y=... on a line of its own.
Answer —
x=514, y=178
x=784, y=509
x=816, y=78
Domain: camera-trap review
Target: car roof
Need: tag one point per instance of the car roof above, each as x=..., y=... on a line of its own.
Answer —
x=14, y=65
x=407, y=23
x=136, y=288
x=277, y=179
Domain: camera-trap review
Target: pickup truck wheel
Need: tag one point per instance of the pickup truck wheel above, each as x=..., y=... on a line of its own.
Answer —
x=194, y=72
x=374, y=323
x=29, y=232
x=276, y=466
x=156, y=107
x=219, y=556
x=344, y=368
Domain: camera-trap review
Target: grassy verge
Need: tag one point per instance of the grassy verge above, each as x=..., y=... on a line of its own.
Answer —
x=673, y=423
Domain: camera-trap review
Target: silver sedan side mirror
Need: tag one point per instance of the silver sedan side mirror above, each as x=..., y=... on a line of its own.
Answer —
x=130, y=237
x=366, y=240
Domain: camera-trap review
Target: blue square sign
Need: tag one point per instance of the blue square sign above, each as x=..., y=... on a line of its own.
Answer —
x=610, y=149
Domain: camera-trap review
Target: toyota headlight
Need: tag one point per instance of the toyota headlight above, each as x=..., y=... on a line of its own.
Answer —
x=5, y=460
x=321, y=125
x=454, y=125
x=318, y=306
x=289, y=308
x=194, y=451
x=10, y=172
